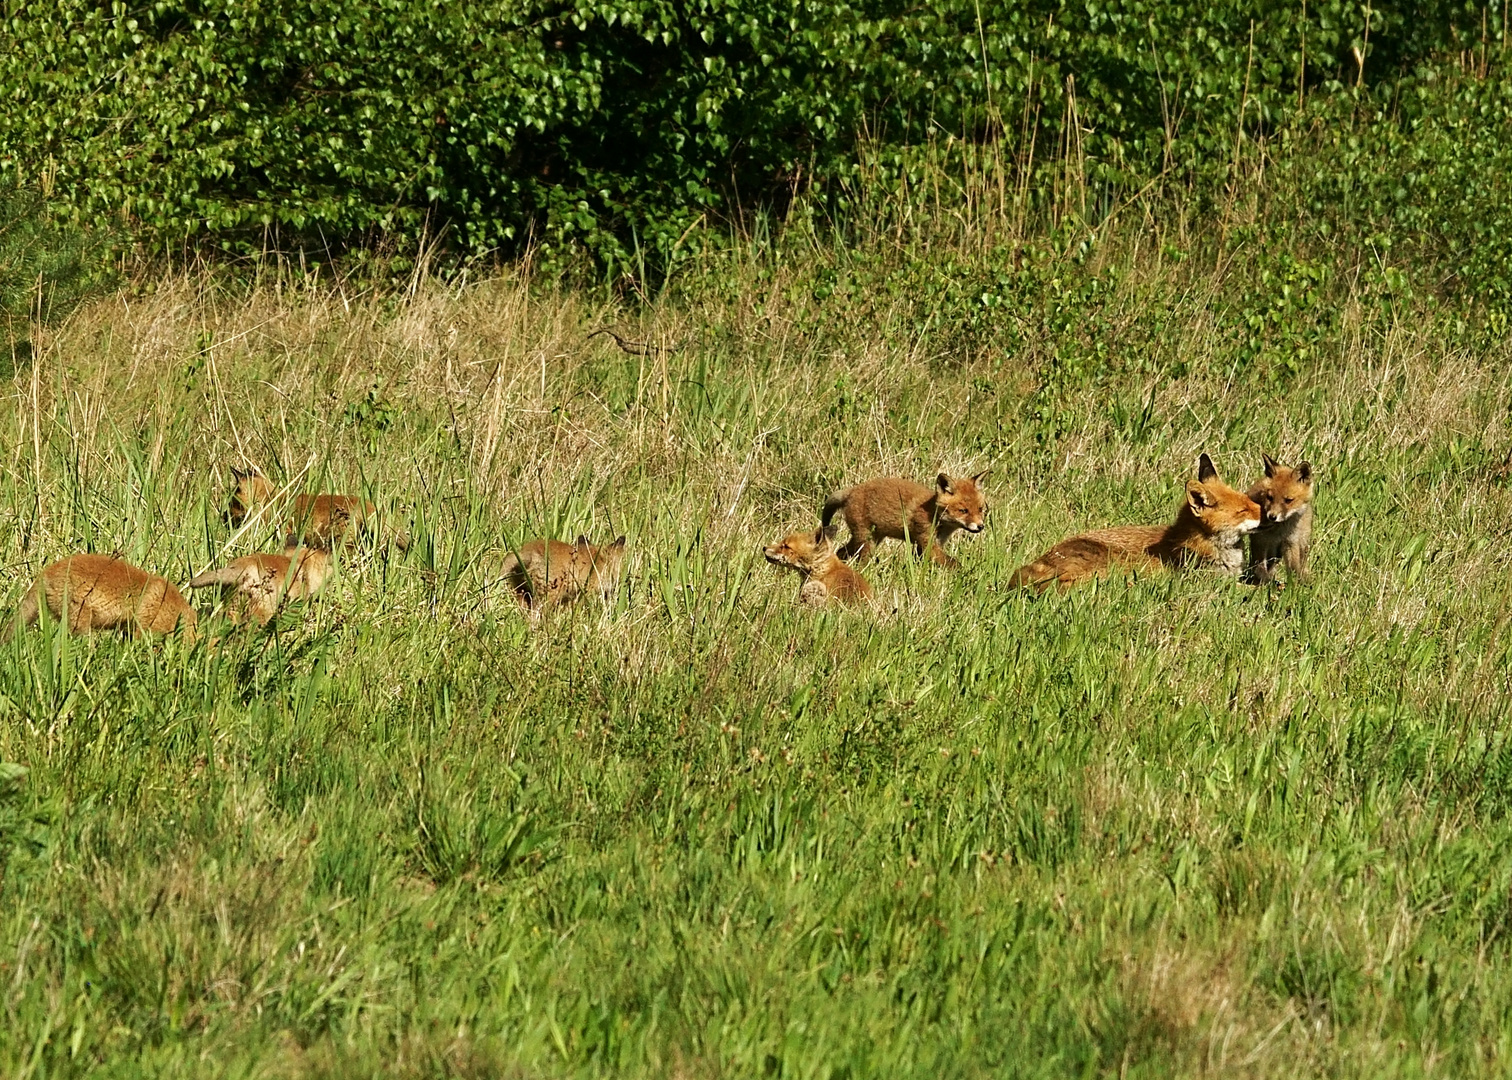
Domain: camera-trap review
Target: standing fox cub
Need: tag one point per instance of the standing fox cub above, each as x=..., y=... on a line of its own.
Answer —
x=257, y=585
x=892, y=508
x=824, y=575
x=318, y=520
x=105, y=593
x=545, y=573
x=1286, y=513
x=1208, y=531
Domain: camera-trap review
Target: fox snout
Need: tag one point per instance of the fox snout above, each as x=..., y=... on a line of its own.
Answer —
x=975, y=526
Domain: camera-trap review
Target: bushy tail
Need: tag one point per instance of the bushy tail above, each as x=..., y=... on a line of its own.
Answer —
x=833, y=506
x=224, y=576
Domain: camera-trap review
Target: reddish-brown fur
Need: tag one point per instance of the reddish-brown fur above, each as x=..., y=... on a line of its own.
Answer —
x=1286, y=514
x=317, y=520
x=825, y=577
x=105, y=593
x=1208, y=531
x=256, y=586
x=545, y=573
x=893, y=508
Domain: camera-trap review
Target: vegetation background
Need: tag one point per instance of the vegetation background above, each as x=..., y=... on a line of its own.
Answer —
x=1164, y=827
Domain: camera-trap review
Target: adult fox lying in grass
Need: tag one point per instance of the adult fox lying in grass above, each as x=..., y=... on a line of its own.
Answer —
x=893, y=508
x=256, y=586
x=1208, y=531
x=100, y=592
x=546, y=573
x=824, y=575
x=318, y=520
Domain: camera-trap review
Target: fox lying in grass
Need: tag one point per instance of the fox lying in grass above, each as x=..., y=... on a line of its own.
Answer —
x=1286, y=513
x=256, y=586
x=824, y=576
x=893, y=508
x=1208, y=531
x=547, y=573
x=105, y=593
x=318, y=520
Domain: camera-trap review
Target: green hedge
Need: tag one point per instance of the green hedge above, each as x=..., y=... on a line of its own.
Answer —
x=620, y=125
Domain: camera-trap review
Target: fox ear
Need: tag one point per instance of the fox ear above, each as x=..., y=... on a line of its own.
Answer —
x=979, y=477
x=1304, y=472
x=1271, y=464
x=827, y=532
x=619, y=541
x=1205, y=470
x=582, y=540
x=239, y=474
x=944, y=482
x=1198, y=497
x=822, y=536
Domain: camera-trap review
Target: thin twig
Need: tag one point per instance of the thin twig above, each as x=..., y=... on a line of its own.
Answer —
x=638, y=348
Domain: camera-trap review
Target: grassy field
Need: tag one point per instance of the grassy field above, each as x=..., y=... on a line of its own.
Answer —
x=1174, y=826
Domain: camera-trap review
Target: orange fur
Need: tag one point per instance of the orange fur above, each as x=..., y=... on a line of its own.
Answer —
x=545, y=573
x=318, y=520
x=256, y=586
x=825, y=577
x=1286, y=514
x=1208, y=531
x=104, y=593
x=892, y=508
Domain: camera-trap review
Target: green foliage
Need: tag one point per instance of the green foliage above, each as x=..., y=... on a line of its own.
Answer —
x=619, y=127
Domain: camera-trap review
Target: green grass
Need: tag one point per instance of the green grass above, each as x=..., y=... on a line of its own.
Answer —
x=1165, y=827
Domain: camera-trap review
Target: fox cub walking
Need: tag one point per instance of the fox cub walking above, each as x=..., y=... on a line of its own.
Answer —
x=892, y=508
x=104, y=593
x=824, y=575
x=1286, y=513
x=1208, y=531
x=318, y=520
x=545, y=573
x=256, y=586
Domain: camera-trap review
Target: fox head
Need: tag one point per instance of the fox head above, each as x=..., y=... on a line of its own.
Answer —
x=1284, y=493
x=252, y=489
x=1219, y=508
x=959, y=503
x=801, y=551
x=606, y=561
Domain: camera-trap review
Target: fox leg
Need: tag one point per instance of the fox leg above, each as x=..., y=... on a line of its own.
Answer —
x=936, y=553
x=1296, y=562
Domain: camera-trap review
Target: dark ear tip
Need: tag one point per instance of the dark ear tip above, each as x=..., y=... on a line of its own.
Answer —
x=620, y=540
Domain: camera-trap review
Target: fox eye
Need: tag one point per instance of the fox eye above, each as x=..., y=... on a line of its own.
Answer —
x=1289, y=500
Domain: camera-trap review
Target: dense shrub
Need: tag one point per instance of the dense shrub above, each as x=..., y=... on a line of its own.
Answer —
x=620, y=125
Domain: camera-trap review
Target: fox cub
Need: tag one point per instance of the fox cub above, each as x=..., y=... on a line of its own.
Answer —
x=318, y=520
x=256, y=586
x=824, y=575
x=1208, y=531
x=106, y=593
x=546, y=573
x=1286, y=513
x=893, y=508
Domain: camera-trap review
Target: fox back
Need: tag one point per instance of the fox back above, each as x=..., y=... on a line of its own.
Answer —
x=99, y=592
x=892, y=508
x=825, y=576
x=547, y=573
x=317, y=520
x=1285, y=497
x=256, y=586
x=1208, y=531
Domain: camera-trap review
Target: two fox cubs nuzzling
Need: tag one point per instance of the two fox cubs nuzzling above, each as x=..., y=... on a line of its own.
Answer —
x=1211, y=524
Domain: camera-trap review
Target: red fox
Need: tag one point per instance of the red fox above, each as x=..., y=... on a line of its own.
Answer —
x=895, y=508
x=106, y=593
x=318, y=520
x=257, y=585
x=546, y=573
x=1208, y=531
x=1286, y=513
x=824, y=575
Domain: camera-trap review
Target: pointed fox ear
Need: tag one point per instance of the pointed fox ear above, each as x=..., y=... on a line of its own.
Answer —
x=1271, y=464
x=1198, y=497
x=239, y=474
x=827, y=531
x=582, y=540
x=944, y=482
x=1304, y=472
x=619, y=541
x=1205, y=470
x=979, y=477
x=822, y=536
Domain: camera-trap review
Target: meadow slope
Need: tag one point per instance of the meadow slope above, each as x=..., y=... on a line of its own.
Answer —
x=1173, y=826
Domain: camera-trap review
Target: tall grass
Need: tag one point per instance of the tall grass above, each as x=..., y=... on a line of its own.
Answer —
x=1164, y=827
